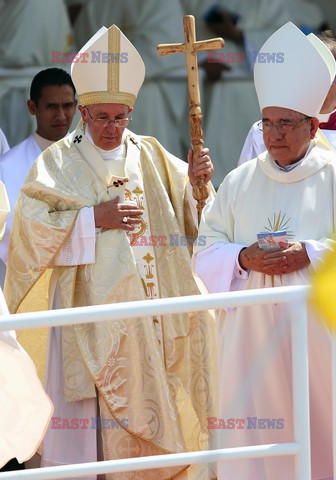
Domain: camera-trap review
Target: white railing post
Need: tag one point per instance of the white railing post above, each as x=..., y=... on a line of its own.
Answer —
x=301, y=415
x=295, y=296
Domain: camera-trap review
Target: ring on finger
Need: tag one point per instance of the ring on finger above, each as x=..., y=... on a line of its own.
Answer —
x=125, y=219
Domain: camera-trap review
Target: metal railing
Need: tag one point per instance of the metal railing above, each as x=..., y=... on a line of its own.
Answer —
x=300, y=447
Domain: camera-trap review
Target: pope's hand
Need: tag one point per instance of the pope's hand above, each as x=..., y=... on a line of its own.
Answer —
x=200, y=166
x=115, y=215
x=276, y=262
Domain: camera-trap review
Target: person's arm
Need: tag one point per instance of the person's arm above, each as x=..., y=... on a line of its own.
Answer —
x=276, y=262
x=79, y=248
x=317, y=249
x=216, y=260
x=219, y=269
x=202, y=166
x=193, y=203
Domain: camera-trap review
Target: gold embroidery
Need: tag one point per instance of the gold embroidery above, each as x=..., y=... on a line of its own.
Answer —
x=128, y=195
x=113, y=67
x=278, y=223
x=91, y=98
x=142, y=227
x=148, y=258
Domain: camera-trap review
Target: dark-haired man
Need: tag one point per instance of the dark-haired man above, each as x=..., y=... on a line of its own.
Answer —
x=52, y=101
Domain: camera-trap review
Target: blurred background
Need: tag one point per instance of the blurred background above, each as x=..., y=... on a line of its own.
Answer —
x=32, y=29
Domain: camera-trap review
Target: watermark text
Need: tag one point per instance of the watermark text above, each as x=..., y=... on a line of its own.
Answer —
x=95, y=56
x=240, y=57
x=250, y=423
x=59, y=423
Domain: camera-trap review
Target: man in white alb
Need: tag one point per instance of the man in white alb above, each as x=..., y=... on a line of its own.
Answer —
x=52, y=102
x=291, y=187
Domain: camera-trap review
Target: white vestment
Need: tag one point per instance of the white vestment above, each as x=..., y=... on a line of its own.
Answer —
x=27, y=41
x=254, y=143
x=14, y=166
x=161, y=109
x=255, y=356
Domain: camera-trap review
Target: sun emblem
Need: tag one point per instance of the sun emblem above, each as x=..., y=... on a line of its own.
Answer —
x=279, y=223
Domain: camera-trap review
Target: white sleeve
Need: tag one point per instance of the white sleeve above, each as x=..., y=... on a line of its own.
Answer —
x=79, y=248
x=193, y=203
x=217, y=277
x=316, y=251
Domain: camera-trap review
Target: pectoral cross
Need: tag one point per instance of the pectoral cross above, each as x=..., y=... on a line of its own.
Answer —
x=190, y=47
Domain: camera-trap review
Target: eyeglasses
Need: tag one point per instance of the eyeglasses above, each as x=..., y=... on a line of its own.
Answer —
x=104, y=122
x=283, y=126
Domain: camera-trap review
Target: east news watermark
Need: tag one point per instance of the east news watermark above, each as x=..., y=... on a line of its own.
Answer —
x=249, y=423
x=93, y=423
x=95, y=56
x=252, y=56
x=213, y=56
x=171, y=240
x=214, y=423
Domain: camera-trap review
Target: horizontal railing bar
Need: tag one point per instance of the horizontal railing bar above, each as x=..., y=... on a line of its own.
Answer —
x=158, y=461
x=161, y=306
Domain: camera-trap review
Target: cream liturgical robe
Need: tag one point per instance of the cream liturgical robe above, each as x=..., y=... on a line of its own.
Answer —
x=157, y=373
x=25, y=408
x=254, y=342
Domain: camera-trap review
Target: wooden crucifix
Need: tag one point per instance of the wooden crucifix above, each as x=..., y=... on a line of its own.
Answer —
x=190, y=47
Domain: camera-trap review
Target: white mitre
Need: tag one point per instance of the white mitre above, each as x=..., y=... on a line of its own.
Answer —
x=108, y=69
x=302, y=80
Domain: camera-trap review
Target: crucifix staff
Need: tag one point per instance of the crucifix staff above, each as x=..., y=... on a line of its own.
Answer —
x=190, y=47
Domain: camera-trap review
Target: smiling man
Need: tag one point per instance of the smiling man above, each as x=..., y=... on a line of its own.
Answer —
x=90, y=209
x=52, y=101
x=291, y=187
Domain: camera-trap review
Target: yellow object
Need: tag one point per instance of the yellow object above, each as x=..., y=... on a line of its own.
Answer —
x=323, y=294
x=34, y=341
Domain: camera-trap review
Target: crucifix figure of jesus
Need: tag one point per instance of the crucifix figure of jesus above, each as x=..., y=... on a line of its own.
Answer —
x=190, y=47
